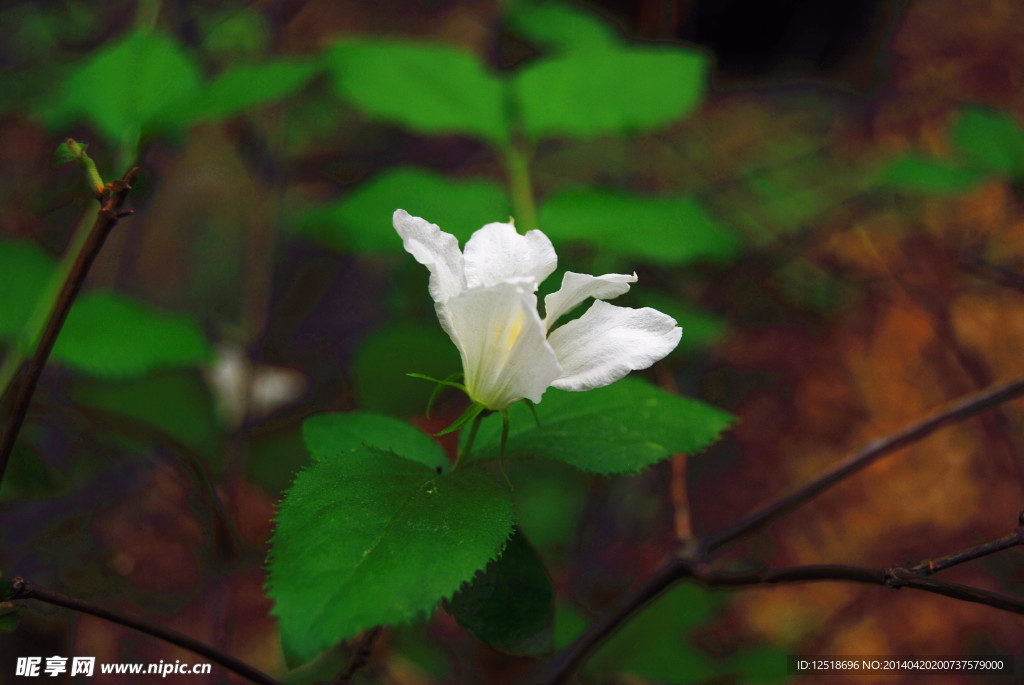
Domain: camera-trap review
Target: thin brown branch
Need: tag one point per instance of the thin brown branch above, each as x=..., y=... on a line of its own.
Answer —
x=930, y=566
x=360, y=656
x=868, y=454
x=564, y=665
x=109, y=214
x=23, y=589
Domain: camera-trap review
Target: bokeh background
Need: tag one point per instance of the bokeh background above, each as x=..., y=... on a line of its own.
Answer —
x=830, y=204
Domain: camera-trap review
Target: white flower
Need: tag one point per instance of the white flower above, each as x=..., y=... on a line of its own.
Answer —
x=486, y=300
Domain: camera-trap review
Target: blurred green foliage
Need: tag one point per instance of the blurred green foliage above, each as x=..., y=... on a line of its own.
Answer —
x=106, y=334
x=377, y=509
x=985, y=144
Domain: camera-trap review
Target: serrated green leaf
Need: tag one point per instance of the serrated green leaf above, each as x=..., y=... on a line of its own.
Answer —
x=330, y=435
x=621, y=428
x=560, y=26
x=618, y=91
x=917, y=174
x=511, y=604
x=381, y=384
x=128, y=88
x=991, y=141
x=241, y=87
x=673, y=230
x=371, y=538
x=362, y=220
x=428, y=88
x=25, y=272
x=111, y=336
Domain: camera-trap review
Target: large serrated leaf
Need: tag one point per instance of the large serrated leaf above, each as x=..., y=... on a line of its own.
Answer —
x=111, y=336
x=511, y=604
x=667, y=230
x=620, y=91
x=429, y=88
x=128, y=88
x=362, y=220
x=330, y=435
x=622, y=428
x=371, y=538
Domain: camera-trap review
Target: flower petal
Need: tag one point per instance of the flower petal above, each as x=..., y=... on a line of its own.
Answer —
x=608, y=342
x=497, y=254
x=436, y=250
x=578, y=287
x=505, y=355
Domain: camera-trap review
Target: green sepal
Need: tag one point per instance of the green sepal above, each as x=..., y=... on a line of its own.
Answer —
x=472, y=411
x=448, y=381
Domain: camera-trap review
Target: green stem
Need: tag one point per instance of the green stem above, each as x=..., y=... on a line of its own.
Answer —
x=517, y=166
x=469, y=441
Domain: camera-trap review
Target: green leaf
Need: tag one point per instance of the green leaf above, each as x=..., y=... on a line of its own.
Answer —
x=619, y=91
x=655, y=644
x=10, y=617
x=242, y=87
x=560, y=26
x=68, y=151
x=362, y=220
x=621, y=428
x=129, y=88
x=25, y=272
x=111, y=336
x=674, y=230
x=176, y=403
x=511, y=605
x=916, y=174
x=330, y=435
x=237, y=32
x=381, y=383
x=991, y=141
x=370, y=538
x=428, y=88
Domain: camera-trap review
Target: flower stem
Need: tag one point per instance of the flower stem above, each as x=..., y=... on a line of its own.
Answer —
x=517, y=166
x=469, y=441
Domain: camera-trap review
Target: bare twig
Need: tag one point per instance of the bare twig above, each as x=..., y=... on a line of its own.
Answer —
x=912, y=576
x=110, y=213
x=23, y=589
x=361, y=656
x=868, y=454
x=930, y=566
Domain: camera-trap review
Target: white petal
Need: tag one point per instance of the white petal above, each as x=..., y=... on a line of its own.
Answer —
x=436, y=250
x=578, y=287
x=505, y=355
x=608, y=342
x=497, y=253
